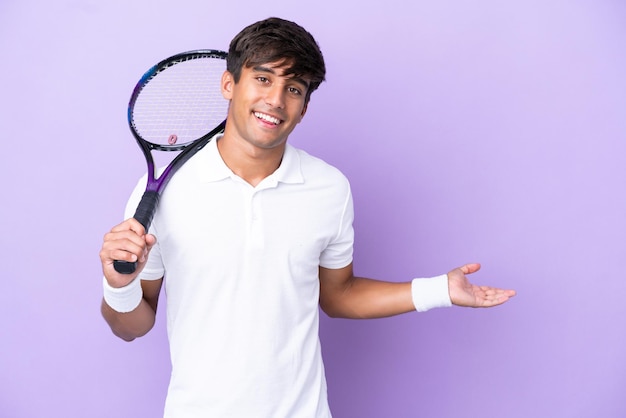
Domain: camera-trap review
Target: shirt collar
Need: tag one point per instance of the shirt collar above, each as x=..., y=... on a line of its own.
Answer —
x=209, y=164
x=212, y=168
x=289, y=171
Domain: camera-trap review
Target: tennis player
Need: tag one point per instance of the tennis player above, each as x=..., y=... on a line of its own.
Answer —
x=251, y=236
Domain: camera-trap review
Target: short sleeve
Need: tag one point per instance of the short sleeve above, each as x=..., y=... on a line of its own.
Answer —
x=339, y=252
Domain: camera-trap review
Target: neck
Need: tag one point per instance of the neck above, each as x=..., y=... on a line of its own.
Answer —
x=252, y=164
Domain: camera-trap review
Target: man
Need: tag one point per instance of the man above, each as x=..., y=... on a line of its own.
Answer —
x=265, y=239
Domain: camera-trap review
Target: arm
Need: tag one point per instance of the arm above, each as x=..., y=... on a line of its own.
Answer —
x=346, y=296
x=138, y=322
x=134, y=311
x=342, y=295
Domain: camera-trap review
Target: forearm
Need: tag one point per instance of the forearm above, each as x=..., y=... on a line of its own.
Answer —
x=362, y=298
x=343, y=295
x=130, y=311
x=130, y=325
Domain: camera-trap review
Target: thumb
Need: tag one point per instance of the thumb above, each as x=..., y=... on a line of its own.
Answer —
x=150, y=240
x=470, y=268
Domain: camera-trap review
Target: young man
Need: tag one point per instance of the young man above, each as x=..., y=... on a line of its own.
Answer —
x=266, y=238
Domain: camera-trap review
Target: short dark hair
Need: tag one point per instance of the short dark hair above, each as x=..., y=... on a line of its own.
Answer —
x=278, y=40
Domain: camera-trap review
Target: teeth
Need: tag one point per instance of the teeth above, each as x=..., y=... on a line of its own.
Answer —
x=267, y=118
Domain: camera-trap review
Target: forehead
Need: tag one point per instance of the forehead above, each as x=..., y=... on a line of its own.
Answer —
x=279, y=69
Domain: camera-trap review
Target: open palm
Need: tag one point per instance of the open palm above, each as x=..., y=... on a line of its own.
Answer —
x=464, y=293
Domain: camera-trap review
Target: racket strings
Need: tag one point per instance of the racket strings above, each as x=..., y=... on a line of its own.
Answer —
x=181, y=103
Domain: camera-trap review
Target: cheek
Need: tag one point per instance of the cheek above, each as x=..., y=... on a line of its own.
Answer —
x=303, y=112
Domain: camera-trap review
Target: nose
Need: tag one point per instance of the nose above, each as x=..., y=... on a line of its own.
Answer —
x=275, y=96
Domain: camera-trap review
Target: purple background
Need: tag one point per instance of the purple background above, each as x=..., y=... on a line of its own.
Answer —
x=483, y=131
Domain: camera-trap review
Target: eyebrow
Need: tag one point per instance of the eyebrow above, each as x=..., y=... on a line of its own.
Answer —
x=264, y=69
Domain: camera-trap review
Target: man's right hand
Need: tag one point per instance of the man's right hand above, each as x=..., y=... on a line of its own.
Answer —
x=127, y=241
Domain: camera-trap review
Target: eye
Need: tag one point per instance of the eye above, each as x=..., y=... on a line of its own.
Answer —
x=262, y=80
x=295, y=91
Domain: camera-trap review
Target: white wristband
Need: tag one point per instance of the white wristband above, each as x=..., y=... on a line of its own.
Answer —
x=430, y=293
x=123, y=299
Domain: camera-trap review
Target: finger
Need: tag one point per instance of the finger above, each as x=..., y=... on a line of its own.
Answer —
x=150, y=240
x=470, y=268
x=131, y=224
x=494, y=290
x=495, y=301
x=493, y=296
x=121, y=255
x=126, y=240
x=125, y=245
x=122, y=250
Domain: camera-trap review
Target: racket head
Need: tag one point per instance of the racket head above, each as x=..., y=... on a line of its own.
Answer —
x=178, y=101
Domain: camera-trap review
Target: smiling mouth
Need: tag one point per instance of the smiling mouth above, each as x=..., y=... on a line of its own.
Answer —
x=267, y=118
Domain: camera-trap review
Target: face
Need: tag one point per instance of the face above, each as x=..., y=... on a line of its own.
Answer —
x=265, y=105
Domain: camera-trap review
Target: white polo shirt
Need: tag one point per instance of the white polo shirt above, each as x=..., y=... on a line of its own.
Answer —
x=241, y=278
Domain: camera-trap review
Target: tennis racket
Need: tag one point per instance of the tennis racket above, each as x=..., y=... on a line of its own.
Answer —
x=177, y=105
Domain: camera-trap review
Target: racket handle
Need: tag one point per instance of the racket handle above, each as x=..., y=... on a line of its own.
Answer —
x=144, y=214
x=125, y=267
x=146, y=208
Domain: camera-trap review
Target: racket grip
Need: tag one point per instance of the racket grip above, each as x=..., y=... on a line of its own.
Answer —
x=146, y=208
x=125, y=267
x=144, y=214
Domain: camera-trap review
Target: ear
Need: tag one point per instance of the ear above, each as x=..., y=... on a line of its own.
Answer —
x=227, y=85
